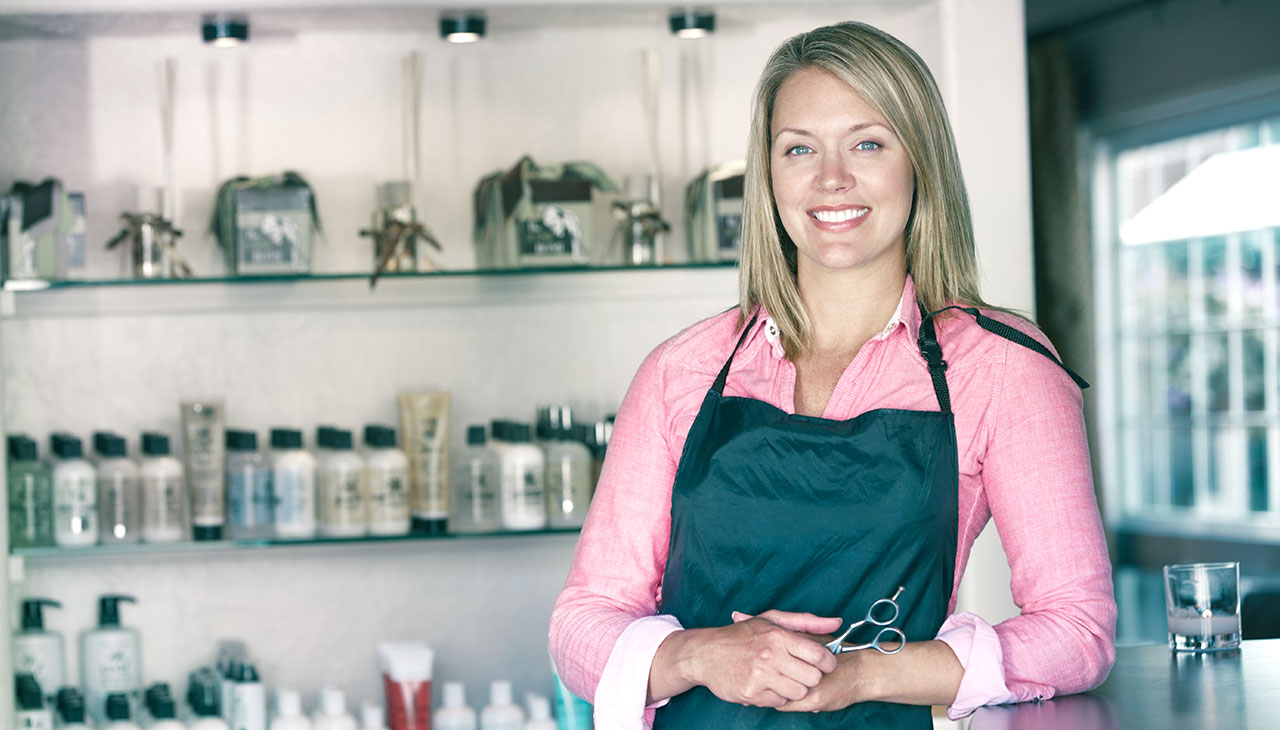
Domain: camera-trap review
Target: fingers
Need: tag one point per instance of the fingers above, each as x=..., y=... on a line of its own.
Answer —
x=806, y=623
x=739, y=617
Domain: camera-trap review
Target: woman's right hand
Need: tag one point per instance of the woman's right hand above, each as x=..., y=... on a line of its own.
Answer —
x=753, y=661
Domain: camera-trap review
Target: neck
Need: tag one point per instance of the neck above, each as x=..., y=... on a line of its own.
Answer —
x=847, y=308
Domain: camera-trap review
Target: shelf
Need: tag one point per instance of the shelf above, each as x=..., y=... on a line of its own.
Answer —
x=209, y=547
x=20, y=299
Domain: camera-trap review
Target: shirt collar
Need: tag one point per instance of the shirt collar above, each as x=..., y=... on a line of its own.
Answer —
x=906, y=315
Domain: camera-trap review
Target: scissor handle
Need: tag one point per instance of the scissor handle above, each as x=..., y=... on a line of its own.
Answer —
x=892, y=631
x=871, y=612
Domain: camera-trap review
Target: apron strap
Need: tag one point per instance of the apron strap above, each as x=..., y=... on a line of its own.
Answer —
x=927, y=340
x=1001, y=329
x=723, y=377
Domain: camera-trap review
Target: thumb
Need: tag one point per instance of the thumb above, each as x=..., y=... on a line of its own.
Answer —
x=739, y=617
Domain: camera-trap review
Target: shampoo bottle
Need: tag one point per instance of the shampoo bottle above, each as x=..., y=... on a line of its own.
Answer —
x=501, y=713
x=119, y=713
x=454, y=714
x=164, y=493
x=30, y=495
x=71, y=710
x=568, y=478
x=250, y=700
x=119, y=498
x=523, y=469
x=339, y=485
x=29, y=708
x=332, y=713
x=110, y=658
x=476, y=481
x=386, y=475
x=289, y=711
x=75, y=494
x=249, y=501
x=293, y=482
x=38, y=652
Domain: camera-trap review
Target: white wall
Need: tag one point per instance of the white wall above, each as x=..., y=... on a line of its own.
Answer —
x=327, y=104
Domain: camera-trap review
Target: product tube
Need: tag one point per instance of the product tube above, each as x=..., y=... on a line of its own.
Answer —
x=424, y=421
x=202, y=430
x=406, y=678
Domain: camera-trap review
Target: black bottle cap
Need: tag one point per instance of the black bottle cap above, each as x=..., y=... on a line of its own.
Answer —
x=340, y=439
x=155, y=444
x=246, y=673
x=70, y=705
x=499, y=430
x=158, y=690
x=242, y=440
x=117, y=706
x=65, y=446
x=204, y=696
x=520, y=434
x=475, y=436
x=378, y=436
x=109, y=444
x=206, y=532
x=26, y=692
x=324, y=437
x=545, y=420
x=33, y=612
x=109, y=609
x=286, y=438
x=163, y=708
x=22, y=448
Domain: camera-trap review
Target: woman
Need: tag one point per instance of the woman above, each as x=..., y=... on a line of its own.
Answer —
x=842, y=437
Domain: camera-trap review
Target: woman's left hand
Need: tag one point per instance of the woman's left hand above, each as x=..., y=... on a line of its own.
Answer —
x=836, y=690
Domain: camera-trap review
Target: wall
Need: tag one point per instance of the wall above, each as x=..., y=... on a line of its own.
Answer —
x=327, y=103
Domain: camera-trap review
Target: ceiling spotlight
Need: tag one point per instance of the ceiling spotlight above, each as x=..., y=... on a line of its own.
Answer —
x=462, y=28
x=225, y=31
x=692, y=23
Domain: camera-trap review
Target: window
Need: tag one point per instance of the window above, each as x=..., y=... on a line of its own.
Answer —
x=1187, y=242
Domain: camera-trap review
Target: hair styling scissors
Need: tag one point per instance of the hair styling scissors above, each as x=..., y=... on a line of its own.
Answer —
x=882, y=613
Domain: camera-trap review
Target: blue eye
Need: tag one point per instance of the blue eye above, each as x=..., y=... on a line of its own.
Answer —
x=867, y=146
x=799, y=149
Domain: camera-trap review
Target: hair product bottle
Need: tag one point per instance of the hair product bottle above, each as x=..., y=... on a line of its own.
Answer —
x=30, y=495
x=289, y=711
x=75, y=494
x=371, y=717
x=110, y=658
x=340, y=485
x=331, y=714
x=523, y=469
x=539, y=713
x=202, y=427
x=386, y=474
x=454, y=714
x=38, y=652
x=30, y=712
x=249, y=501
x=476, y=481
x=568, y=479
x=293, y=483
x=203, y=696
x=501, y=713
x=119, y=497
x=250, y=700
x=164, y=493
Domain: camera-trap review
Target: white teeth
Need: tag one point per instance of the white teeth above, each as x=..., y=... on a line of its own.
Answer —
x=840, y=216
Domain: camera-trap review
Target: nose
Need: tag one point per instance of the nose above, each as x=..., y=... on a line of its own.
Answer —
x=835, y=175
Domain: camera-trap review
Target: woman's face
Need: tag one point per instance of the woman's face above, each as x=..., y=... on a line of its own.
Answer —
x=841, y=178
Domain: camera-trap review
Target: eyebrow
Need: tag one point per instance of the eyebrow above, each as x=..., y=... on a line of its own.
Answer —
x=804, y=132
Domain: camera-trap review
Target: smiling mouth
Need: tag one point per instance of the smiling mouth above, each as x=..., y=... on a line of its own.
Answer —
x=839, y=216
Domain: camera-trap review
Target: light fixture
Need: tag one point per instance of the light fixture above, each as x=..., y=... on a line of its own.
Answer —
x=225, y=31
x=462, y=28
x=693, y=23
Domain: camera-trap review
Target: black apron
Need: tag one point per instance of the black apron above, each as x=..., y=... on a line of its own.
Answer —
x=778, y=510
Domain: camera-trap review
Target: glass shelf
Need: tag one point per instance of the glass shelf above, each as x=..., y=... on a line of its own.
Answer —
x=223, y=546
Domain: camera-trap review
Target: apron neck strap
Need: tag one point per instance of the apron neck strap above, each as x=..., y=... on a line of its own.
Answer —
x=1001, y=329
x=927, y=340
x=723, y=377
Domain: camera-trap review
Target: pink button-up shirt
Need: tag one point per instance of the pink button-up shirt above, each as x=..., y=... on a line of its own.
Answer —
x=1024, y=461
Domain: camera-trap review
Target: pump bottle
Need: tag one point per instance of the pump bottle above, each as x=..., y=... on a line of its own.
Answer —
x=454, y=714
x=39, y=652
x=110, y=658
x=501, y=713
x=75, y=494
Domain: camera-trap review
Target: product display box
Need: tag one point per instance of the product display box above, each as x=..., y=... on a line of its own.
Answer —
x=274, y=230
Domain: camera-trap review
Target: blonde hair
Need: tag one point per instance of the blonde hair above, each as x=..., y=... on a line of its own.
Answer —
x=894, y=80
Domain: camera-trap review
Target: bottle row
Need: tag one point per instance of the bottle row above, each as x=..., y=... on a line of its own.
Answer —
x=231, y=695
x=227, y=487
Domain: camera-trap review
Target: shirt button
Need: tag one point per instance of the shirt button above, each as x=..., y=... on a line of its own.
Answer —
x=771, y=331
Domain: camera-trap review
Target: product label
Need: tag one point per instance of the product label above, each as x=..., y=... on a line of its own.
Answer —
x=388, y=497
x=341, y=498
x=522, y=495
x=556, y=233
x=30, y=511
x=477, y=496
x=294, y=499
x=75, y=505
x=162, y=499
x=117, y=505
x=432, y=499
x=249, y=497
x=568, y=487
x=729, y=233
x=204, y=465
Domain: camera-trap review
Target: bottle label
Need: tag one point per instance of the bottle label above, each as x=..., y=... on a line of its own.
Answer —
x=388, y=496
x=162, y=502
x=478, y=497
x=75, y=504
x=341, y=498
x=117, y=507
x=569, y=487
x=522, y=495
x=249, y=497
x=294, y=499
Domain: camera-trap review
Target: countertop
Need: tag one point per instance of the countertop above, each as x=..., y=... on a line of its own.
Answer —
x=1152, y=687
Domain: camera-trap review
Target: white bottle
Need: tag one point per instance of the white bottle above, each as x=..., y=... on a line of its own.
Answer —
x=75, y=494
x=340, y=488
x=568, y=479
x=119, y=713
x=455, y=714
x=386, y=477
x=289, y=711
x=523, y=468
x=372, y=717
x=539, y=713
x=38, y=652
x=164, y=491
x=293, y=480
x=501, y=713
x=476, y=481
x=331, y=714
x=119, y=495
x=110, y=658
x=249, y=700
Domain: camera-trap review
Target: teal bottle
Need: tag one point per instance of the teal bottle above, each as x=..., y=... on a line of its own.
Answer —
x=30, y=496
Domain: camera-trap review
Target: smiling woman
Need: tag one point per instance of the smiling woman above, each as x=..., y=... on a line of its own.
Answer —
x=777, y=469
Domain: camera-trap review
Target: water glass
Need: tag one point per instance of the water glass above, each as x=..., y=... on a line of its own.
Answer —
x=1202, y=601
